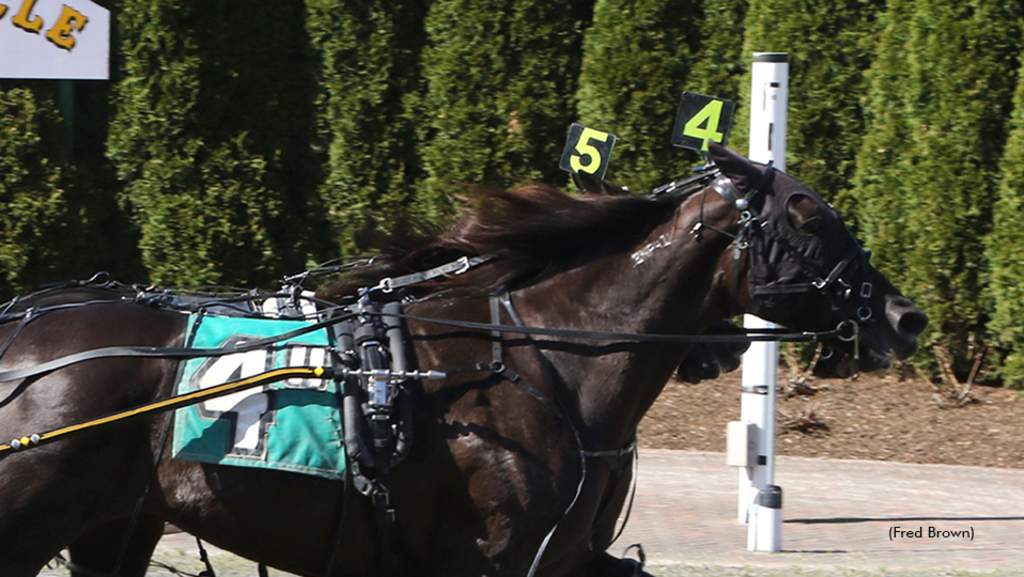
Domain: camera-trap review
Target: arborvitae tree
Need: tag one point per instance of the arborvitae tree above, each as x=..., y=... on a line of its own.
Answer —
x=956, y=91
x=32, y=190
x=720, y=64
x=1004, y=251
x=370, y=52
x=501, y=77
x=637, y=61
x=211, y=137
x=882, y=158
x=830, y=45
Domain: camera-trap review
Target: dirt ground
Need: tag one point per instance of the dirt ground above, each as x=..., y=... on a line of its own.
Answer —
x=879, y=417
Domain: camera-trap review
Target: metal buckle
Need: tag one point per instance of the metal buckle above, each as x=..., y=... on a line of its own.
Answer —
x=725, y=188
x=385, y=285
x=854, y=330
x=863, y=316
x=463, y=265
x=866, y=290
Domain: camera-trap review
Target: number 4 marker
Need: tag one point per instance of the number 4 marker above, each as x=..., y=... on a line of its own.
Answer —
x=701, y=119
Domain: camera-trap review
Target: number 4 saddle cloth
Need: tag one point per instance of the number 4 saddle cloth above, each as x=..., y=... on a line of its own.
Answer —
x=291, y=425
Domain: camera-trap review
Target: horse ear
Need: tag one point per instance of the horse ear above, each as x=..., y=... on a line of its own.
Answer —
x=594, y=185
x=743, y=173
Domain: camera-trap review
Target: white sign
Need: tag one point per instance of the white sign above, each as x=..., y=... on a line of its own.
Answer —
x=58, y=39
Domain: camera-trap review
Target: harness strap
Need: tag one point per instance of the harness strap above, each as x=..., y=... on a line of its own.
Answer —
x=137, y=512
x=161, y=352
x=632, y=494
x=550, y=374
x=455, y=267
x=777, y=335
x=209, y=572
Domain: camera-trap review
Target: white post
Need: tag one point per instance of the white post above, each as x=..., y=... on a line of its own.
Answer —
x=760, y=501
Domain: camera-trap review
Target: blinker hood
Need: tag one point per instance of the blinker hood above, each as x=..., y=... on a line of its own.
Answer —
x=783, y=264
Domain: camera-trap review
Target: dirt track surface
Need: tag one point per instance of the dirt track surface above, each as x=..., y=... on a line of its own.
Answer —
x=873, y=417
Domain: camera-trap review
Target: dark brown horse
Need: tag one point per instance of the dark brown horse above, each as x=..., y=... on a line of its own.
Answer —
x=492, y=469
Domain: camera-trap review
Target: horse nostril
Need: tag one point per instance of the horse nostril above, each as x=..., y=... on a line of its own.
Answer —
x=913, y=323
x=908, y=320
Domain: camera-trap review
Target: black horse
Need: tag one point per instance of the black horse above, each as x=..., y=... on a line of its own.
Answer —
x=492, y=469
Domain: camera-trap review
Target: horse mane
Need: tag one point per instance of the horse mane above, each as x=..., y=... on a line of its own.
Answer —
x=536, y=230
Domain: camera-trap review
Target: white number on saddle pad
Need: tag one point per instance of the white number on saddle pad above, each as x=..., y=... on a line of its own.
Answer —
x=249, y=406
x=248, y=410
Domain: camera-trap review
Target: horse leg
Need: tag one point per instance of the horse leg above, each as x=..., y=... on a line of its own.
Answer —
x=98, y=549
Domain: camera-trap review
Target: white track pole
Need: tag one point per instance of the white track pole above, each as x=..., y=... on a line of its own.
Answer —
x=769, y=102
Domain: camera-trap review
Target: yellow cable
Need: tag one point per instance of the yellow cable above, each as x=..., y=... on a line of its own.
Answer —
x=192, y=398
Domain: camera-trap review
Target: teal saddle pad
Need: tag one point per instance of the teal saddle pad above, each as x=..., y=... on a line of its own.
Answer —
x=291, y=425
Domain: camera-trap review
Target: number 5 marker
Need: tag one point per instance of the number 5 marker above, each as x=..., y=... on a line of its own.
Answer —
x=587, y=150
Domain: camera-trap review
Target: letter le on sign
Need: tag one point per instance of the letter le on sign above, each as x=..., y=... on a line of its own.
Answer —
x=24, y=18
x=54, y=39
x=702, y=118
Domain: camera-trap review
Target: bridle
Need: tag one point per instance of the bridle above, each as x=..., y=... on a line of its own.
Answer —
x=756, y=227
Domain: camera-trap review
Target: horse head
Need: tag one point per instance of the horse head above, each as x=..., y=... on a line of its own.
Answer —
x=794, y=262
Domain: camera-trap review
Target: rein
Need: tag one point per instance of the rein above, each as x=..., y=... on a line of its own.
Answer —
x=843, y=331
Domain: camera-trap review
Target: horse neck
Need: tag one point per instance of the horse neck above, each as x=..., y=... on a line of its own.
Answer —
x=658, y=287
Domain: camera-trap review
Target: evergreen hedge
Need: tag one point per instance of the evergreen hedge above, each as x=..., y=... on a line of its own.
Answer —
x=239, y=141
x=830, y=45
x=32, y=188
x=369, y=77
x=211, y=137
x=1003, y=248
x=501, y=79
x=958, y=63
x=638, y=57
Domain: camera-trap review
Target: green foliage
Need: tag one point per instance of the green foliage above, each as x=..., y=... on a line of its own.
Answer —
x=32, y=189
x=720, y=64
x=830, y=45
x=240, y=140
x=501, y=78
x=954, y=70
x=370, y=74
x=637, y=61
x=881, y=194
x=211, y=137
x=1003, y=248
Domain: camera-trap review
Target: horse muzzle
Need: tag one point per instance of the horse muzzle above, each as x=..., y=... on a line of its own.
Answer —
x=907, y=323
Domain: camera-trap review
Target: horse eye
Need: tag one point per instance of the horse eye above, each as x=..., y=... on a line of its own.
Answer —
x=804, y=213
x=811, y=226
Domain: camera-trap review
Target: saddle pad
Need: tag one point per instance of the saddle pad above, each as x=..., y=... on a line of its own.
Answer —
x=292, y=425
